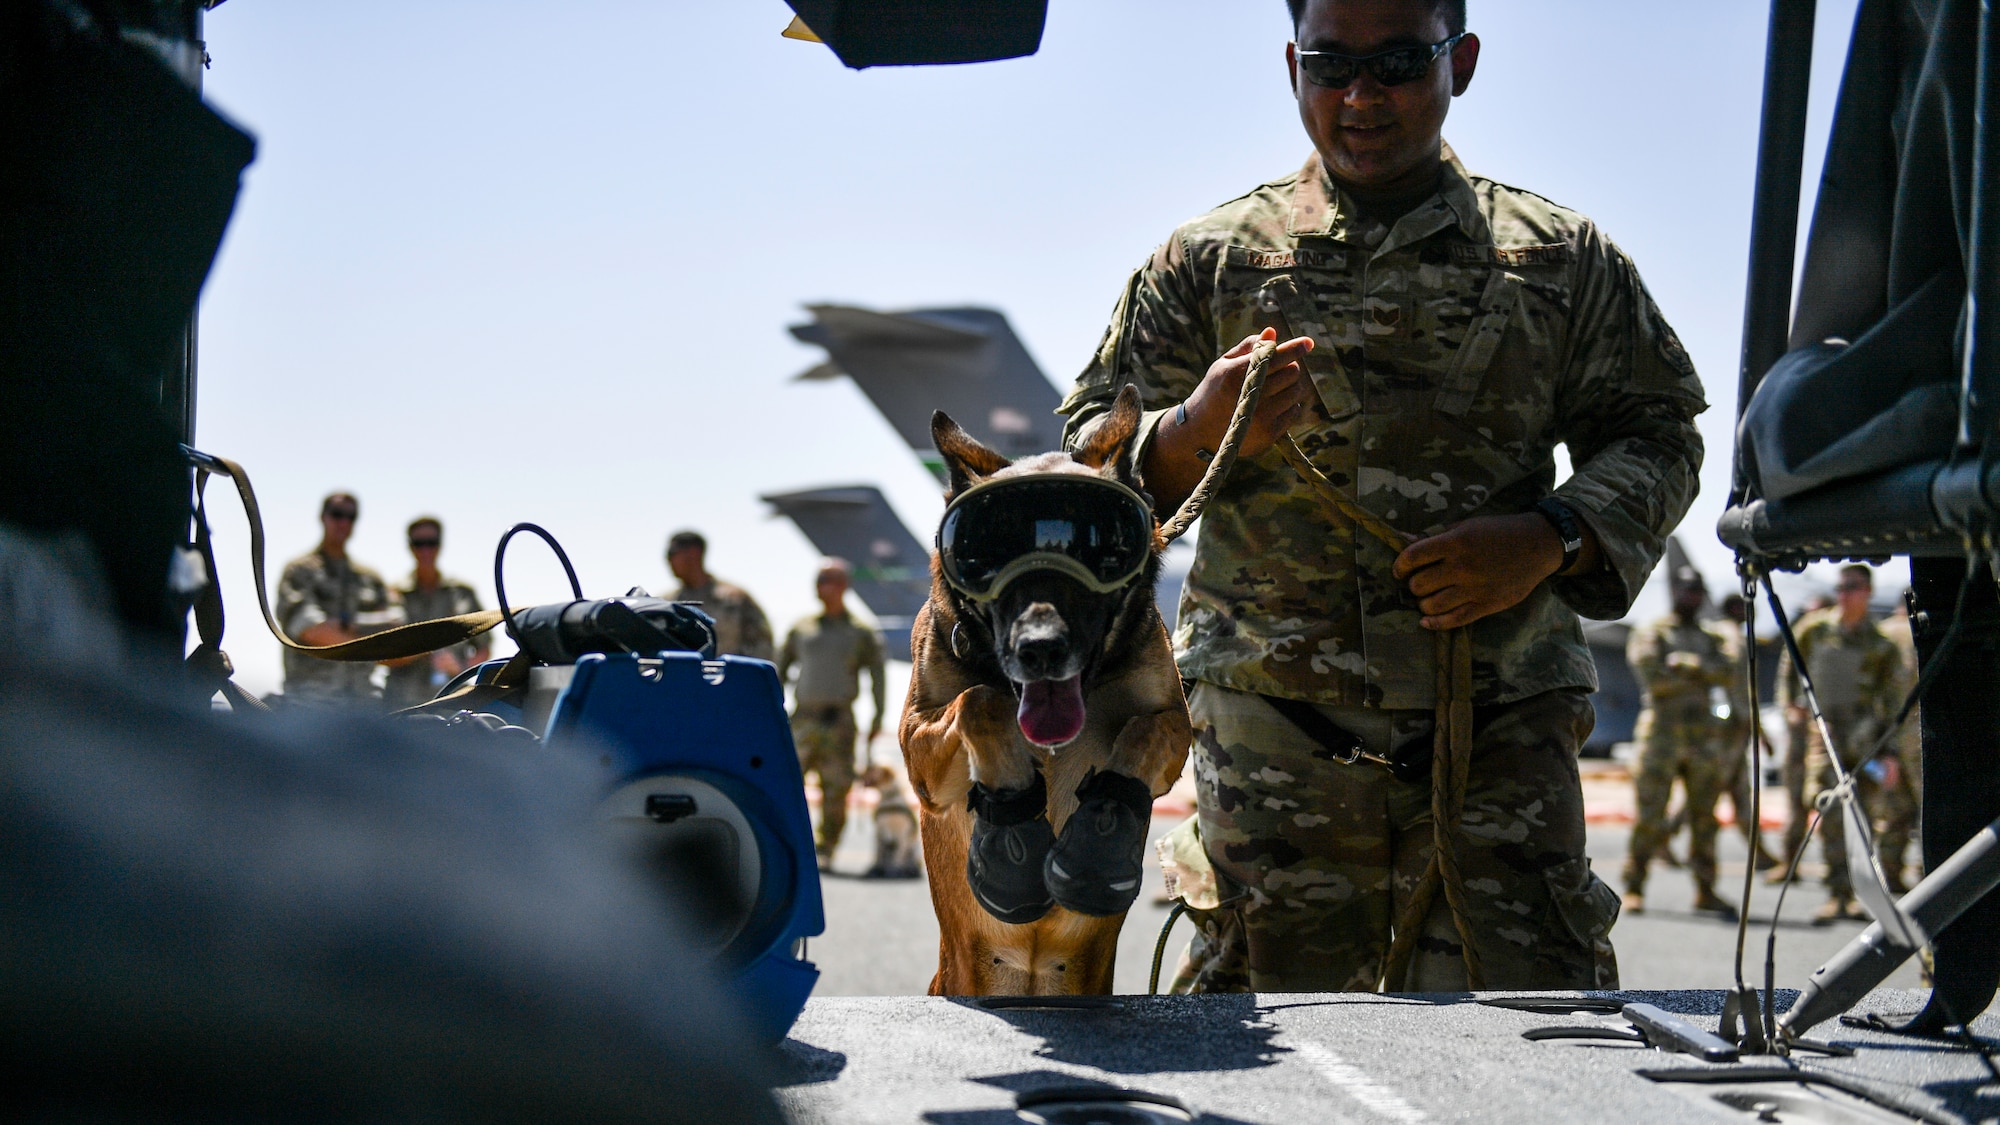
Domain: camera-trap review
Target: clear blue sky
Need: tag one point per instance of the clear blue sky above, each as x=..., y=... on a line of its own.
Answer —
x=517, y=261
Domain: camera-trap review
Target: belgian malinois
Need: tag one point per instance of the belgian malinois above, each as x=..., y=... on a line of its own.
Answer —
x=1044, y=712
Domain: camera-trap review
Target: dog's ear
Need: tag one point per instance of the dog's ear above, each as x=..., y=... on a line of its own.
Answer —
x=967, y=461
x=1109, y=438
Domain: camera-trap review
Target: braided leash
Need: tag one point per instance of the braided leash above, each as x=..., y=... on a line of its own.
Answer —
x=1451, y=758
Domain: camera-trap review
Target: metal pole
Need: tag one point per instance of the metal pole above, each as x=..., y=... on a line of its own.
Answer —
x=177, y=389
x=1774, y=215
x=1980, y=390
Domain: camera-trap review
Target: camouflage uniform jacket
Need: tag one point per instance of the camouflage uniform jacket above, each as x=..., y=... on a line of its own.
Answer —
x=1859, y=674
x=1677, y=691
x=830, y=654
x=416, y=682
x=740, y=627
x=1453, y=352
x=315, y=589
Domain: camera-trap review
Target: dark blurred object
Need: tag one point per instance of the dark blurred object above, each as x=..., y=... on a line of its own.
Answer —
x=1867, y=438
x=328, y=917
x=560, y=632
x=867, y=33
x=115, y=185
x=1875, y=435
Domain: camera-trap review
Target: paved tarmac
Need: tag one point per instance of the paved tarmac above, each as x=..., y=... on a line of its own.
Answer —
x=881, y=937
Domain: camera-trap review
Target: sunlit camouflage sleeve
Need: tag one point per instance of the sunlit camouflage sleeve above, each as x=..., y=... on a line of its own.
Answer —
x=1454, y=352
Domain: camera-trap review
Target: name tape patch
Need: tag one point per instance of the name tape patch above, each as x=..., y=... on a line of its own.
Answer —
x=1555, y=255
x=1285, y=259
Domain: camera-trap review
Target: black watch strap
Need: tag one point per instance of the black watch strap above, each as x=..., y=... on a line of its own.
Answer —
x=1568, y=529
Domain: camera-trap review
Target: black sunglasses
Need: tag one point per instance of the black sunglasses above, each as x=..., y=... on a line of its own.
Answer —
x=340, y=513
x=1390, y=68
x=420, y=544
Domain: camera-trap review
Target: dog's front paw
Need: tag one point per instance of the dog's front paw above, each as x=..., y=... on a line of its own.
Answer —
x=1009, y=847
x=1095, y=867
x=993, y=749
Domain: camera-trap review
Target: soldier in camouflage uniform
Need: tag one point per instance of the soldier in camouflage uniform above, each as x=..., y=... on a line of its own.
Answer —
x=740, y=626
x=427, y=595
x=1454, y=331
x=1858, y=674
x=1680, y=661
x=830, y=650
x=1736, y=764
x=1902, y=796
x=326, y=598
x=1798, y=813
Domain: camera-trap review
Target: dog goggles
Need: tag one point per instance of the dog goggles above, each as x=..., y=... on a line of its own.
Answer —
x=1336, y=71
x=1097, y=531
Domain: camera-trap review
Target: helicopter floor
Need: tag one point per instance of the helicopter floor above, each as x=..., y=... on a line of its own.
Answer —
x=1239, y=1060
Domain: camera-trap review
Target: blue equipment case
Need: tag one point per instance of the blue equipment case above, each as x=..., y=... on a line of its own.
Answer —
x=700, y=752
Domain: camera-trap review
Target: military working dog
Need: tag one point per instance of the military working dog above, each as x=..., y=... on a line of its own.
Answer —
x=1044, y=711
x=898, y=854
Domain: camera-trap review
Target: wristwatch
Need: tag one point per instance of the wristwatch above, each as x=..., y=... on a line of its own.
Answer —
x=1568, y=529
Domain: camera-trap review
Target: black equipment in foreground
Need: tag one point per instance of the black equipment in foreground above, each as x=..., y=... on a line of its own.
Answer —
x=1868, y=420
x=563, y=632
x=867, y=33
x=1935, y=903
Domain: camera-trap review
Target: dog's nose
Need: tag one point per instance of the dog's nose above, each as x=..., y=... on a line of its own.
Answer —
x=1041, y=643
x=1042, y=658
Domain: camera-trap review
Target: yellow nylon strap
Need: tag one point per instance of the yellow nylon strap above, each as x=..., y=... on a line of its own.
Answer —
x=390, y=644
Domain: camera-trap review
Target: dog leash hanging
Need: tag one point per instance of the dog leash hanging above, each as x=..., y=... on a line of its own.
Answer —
x=1451, y=758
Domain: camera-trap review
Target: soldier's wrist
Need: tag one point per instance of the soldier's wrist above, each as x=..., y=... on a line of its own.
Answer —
x=1569, y=532
x=1187, y=437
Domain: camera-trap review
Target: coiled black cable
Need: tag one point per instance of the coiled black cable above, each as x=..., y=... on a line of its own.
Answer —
x=500, y=578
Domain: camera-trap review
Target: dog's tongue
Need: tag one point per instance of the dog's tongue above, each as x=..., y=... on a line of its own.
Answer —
x=1052, y=710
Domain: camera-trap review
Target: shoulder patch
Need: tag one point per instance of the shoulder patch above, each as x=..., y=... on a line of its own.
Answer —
x=1555, y=254
x=1670, y=344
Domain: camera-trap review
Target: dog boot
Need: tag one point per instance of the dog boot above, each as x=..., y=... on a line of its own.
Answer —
x=1095, y=867
x=1010, y=842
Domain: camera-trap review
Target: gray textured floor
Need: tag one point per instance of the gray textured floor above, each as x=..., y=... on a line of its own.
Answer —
x=1270, y=1059
x=881, y=937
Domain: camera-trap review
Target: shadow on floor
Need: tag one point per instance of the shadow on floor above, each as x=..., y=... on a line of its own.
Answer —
x=1140, y=1034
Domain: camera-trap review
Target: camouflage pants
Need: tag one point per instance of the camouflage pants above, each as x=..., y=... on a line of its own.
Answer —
x=824, y=734
x=1736, y=783
x=1800, y=813
x=1314, y=859
x=1670, y=748
x=1882, y=804
x=1902, y=803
